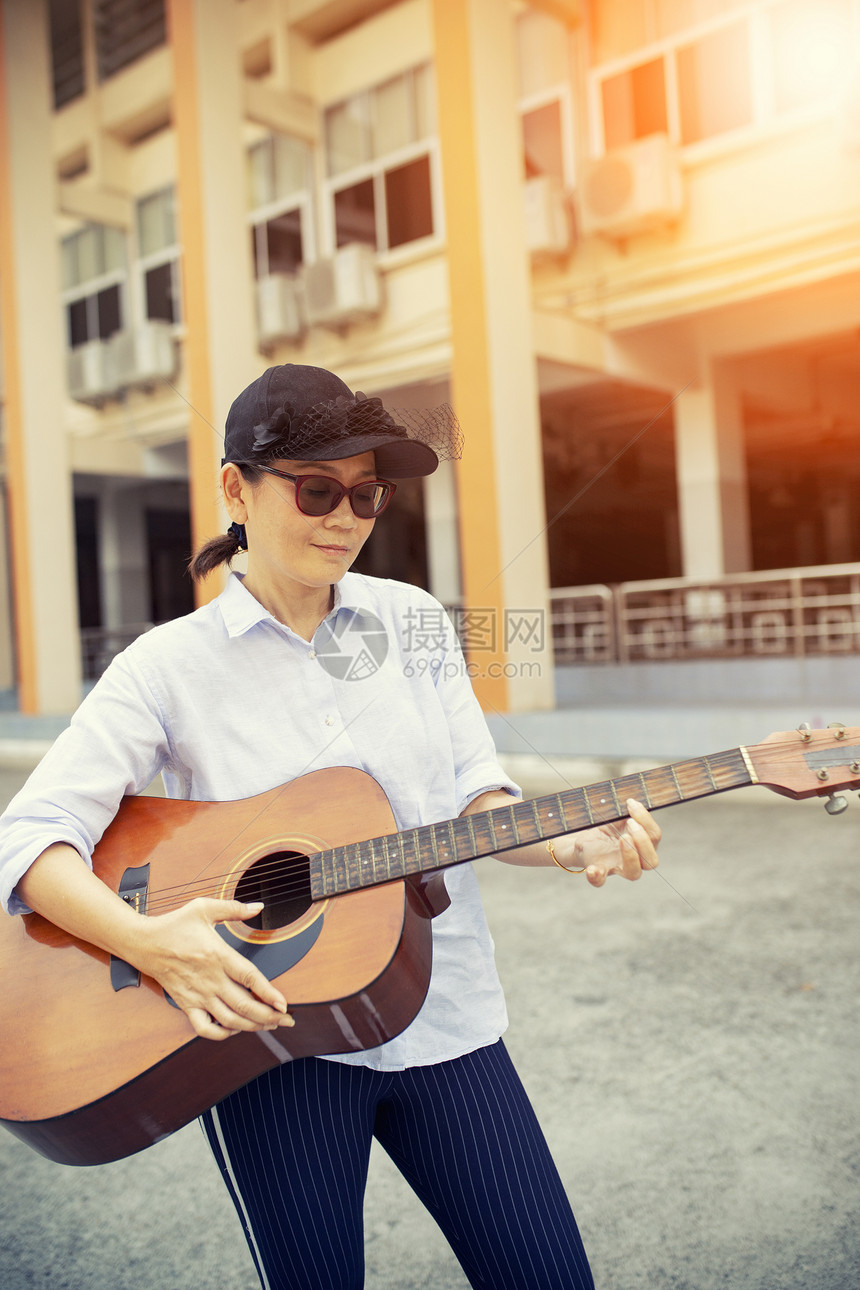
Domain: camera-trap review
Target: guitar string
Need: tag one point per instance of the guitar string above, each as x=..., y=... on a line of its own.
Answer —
x=289, y=879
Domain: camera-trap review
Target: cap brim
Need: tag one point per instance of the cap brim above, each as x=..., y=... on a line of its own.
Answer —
x=396, y=458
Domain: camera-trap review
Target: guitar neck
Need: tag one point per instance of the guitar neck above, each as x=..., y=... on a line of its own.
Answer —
x=436, y=846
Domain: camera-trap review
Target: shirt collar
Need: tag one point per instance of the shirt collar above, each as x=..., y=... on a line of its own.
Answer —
x=241, y=611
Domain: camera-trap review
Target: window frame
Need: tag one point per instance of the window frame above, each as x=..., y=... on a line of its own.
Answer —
x=89, y=290
x=168, y=254
x=560, y=92
x=765, y=116
x=375, y=170
x=301, y=200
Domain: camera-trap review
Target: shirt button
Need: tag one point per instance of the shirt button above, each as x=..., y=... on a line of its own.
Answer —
x=312, y=653
x=329, y=721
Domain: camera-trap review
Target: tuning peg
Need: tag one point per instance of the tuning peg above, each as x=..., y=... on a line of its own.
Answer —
x=836, y=805
x=804, y=731
x=839, y=727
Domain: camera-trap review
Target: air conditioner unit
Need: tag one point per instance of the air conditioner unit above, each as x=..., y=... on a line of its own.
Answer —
x=344, y=289
x=548, y=231
x=144, y=356
x=632, y=189
x=279, y=308
x=90, y=372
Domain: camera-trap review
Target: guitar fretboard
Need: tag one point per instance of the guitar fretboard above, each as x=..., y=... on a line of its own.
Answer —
x=436, y=846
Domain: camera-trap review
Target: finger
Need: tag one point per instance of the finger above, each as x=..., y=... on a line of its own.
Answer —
x=225, y=911
x=643, y=840
x=206, y=1025
x=645, y=818
x=259, y=990
x=237, y=1009
x=596, y=875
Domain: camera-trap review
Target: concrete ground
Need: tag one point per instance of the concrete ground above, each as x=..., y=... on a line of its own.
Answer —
x=691, y=1044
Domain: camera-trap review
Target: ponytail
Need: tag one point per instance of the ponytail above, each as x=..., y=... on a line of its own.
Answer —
x=221, y=550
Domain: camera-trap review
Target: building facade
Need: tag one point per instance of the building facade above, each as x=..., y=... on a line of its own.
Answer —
x=622, y=238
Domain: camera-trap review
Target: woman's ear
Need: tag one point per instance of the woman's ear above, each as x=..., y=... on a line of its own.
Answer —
x=233, y=487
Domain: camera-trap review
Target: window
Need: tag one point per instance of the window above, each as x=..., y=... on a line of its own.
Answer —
x=279, y=195
x=380, y=159
x=94, y=275
x=125, y=30
x=739, y=69
x=158, y=255
x=545, y=99
x=67, y=50
x=715, y=84
x=634, y=104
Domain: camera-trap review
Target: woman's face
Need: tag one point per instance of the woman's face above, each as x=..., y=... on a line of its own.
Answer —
x=284, y=545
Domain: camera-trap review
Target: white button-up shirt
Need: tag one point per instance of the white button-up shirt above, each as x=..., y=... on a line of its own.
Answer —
x=227, y=702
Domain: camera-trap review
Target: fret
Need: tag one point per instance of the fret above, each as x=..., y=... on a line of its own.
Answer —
x=387, y=854
x=643, y=784
x=366, y=869
x=464, y=838
x=482, y=832
x=455, y=841
x=340, y=868
x=516, y=812
x=558, y=814
x=525, y=823
x=416, y=850
x=506, y=830
x=603, y=789
x=452, y=841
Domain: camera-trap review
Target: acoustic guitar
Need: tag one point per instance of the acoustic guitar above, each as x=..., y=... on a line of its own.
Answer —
x=97, y=1063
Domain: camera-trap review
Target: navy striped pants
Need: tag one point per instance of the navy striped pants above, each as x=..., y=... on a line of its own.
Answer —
x=294, y=1146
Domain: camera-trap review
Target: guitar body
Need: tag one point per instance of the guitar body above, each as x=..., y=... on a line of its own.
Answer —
x=96, y=1063
x=90, y=1073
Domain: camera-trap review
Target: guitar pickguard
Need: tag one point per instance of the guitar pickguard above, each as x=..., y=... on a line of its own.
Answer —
x=275, y=956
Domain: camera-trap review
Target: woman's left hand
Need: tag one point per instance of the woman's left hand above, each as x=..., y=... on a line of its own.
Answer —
x=627, y=849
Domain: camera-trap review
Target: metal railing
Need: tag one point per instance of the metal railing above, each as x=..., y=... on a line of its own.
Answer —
x=785, y=612
x=779, y=613
x=100, y=644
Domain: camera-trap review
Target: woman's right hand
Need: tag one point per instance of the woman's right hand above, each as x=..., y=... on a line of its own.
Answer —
x=220, y=992
x=218, y=989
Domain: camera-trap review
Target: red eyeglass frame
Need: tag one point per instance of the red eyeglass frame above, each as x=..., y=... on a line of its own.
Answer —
x=345, y=491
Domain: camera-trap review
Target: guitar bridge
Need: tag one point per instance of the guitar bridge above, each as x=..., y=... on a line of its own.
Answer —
x=133, y=889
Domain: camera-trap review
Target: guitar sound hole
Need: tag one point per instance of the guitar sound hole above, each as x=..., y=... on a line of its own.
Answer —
x=282, y=881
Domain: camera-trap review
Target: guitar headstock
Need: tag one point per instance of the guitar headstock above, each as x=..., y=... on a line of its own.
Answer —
x=809, y=763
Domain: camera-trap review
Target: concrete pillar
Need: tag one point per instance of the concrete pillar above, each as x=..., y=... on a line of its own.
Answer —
x=7, y=617
x=220, y=347
x=713, y=501
x=493, y=373
x=40, y=495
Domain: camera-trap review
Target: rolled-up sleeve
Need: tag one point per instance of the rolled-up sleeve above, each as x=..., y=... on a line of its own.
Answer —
x=116, y=744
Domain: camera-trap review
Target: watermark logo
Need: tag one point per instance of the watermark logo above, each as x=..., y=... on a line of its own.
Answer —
x=353, y=647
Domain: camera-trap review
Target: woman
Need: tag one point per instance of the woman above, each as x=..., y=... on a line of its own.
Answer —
x=254, y=690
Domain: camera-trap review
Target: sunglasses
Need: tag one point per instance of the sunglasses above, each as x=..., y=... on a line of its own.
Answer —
x=320, y=494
